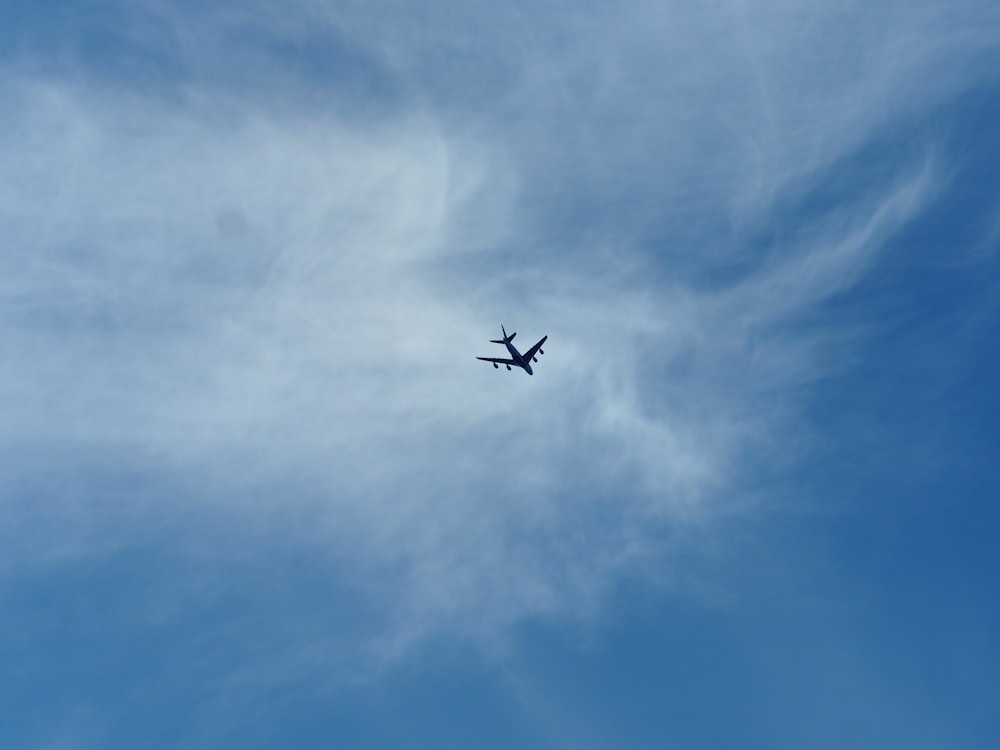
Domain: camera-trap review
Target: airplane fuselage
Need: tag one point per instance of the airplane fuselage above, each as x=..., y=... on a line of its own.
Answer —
x=516, y=356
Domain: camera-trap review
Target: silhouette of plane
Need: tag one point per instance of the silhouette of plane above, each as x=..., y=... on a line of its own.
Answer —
x=517, y=359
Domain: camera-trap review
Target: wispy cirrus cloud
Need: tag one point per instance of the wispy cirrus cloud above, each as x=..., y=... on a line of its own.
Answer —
x=279, y=298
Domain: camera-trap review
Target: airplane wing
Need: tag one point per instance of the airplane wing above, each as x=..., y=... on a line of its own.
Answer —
x=528, y=355
x=499, y=361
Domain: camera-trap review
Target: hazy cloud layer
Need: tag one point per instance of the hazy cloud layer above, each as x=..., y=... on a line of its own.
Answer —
x=275, y=288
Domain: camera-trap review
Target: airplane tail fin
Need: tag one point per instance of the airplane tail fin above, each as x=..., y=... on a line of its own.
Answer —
x=505, y=338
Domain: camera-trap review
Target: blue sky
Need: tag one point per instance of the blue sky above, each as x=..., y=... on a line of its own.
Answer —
x=255, y=491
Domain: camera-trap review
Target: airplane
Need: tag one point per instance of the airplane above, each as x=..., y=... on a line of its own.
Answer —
x=517, y=359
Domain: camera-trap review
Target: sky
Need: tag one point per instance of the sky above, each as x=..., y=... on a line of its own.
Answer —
x=256, y=491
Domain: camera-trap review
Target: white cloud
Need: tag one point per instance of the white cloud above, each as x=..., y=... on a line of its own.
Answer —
x=292, y=299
